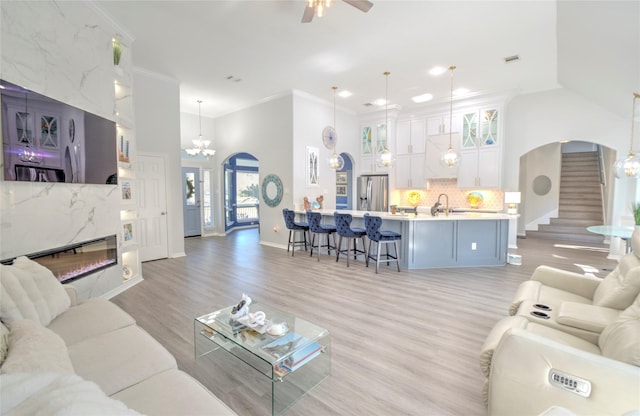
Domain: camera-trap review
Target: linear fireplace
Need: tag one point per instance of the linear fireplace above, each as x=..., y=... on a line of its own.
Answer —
x=77, y=260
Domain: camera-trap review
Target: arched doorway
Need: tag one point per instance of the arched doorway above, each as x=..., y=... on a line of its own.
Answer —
x=344, y=184
x=241, y=192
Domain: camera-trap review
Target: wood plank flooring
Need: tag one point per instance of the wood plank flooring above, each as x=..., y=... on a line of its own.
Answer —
x=402, y=343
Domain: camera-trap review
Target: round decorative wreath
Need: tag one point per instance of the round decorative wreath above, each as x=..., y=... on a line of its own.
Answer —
x=275, y=201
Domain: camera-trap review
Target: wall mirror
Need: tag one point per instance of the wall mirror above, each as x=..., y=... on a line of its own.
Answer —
x=272, y=190
x=541, y=185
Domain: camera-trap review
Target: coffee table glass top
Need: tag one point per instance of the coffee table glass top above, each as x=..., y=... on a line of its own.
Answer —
x=271, y=348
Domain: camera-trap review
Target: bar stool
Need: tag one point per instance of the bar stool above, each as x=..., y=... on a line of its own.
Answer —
x=315, y=227
x=372, y=225
x=294, y=226
x=343, y=228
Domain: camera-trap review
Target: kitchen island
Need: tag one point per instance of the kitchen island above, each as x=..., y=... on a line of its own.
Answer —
x=460, y=239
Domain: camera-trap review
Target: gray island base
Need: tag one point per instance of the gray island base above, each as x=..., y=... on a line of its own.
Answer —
x=465, y=239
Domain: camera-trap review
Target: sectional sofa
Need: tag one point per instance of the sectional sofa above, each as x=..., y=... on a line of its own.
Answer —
x=59, y=356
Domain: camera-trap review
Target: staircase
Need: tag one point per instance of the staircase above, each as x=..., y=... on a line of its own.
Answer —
x=580, y=203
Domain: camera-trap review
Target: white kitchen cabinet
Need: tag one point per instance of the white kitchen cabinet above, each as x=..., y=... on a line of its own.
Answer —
x=440, y=124
x=410, y=172
x=480, y=146
x=410, y=137
x=435, y=148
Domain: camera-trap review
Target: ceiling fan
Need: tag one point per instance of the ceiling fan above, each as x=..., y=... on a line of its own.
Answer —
x=317, y=7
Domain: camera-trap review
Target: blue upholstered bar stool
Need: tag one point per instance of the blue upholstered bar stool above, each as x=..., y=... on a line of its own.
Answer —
x=343, y=228
x=295, y=227
x=372, y=224
x=317, y=228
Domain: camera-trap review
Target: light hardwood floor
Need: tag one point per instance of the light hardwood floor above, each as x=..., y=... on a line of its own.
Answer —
x=402, y=343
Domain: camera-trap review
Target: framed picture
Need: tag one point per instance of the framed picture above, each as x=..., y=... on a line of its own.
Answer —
x=127, y=231
x=341, y=190
x=341, y=178
x=126, y=190
x=312, y=167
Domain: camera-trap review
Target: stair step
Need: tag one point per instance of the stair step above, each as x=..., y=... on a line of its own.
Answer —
x=594, y=238
x=564, y=229
x=579, y=208
x=577, y=222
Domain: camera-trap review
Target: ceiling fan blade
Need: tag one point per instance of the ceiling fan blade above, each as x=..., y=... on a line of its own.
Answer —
x=307, y=16
x=363, y=5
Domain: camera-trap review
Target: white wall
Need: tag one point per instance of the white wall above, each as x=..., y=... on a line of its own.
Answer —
x=537, y=209
x=62, y=50
x=157, y=113
x=266, y=132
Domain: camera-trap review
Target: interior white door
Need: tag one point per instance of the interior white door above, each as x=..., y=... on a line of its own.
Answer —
x=152, y=214
x=191, y=202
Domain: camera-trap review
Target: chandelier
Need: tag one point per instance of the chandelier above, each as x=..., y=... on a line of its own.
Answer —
x=200, y=145
x=630, y=166
x=319, y=6
x=385, y=157
x=450, y=158
x=336, y=162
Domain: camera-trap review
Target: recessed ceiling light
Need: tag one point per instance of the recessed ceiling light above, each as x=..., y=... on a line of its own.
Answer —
x=422, y=98
x=460, y=91
x=380, y=101
x=345, y=93
x=437, y=70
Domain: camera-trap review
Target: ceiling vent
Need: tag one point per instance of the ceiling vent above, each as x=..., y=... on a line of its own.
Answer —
x=512, y=58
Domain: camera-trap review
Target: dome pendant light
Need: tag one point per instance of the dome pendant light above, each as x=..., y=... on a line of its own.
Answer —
x=451, y=158
x=336, y=162
x=630, y=166
x=385, y=158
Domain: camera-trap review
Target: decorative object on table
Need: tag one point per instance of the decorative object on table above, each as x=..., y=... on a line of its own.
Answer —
x=272, y=190
x=278, y=329
x=414, y=198
x=319, y=201
x=512, y=199
x=313, y=173
x=475, y=199
x=629, y=167
x=126, y=272
x=242, y=308
x=384, y=157
x=307, y=204
x=450, y=158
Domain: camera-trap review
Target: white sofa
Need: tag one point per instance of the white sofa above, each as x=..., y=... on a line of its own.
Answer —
x=59, y=356
x=520, y=357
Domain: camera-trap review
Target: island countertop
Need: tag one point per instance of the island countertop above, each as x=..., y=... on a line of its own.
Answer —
x=460, y=239
x=457, y=215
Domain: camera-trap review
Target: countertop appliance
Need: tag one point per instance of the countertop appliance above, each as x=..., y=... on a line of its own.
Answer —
x=373, y=193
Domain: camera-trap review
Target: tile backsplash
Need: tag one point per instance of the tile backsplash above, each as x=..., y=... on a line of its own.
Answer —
x=492, y=198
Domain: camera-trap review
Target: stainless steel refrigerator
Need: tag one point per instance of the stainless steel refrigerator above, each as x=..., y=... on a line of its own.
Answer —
x=373, y=193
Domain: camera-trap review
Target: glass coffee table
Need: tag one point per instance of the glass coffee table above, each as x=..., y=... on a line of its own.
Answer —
x=294, y=362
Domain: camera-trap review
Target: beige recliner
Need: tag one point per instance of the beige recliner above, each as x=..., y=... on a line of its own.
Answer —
x=531, y=367
x=550, y=286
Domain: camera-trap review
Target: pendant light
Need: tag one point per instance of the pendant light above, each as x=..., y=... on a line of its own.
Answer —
x=630, y=166
x=336, y=162
x=200, y=145
x=385, y=157
x=27, y=154
x=451, y=158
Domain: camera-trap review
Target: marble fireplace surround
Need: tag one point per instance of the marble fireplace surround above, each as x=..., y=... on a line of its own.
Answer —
x=75, y=261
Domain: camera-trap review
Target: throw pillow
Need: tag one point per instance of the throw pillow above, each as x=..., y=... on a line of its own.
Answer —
x=34, y=348
x=30, y=291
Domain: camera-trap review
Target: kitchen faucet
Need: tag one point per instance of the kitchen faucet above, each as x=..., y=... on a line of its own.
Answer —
x=446, y=208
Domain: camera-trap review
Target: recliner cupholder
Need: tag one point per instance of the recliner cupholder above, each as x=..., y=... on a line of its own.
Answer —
x=542, y=307
x=539, y=314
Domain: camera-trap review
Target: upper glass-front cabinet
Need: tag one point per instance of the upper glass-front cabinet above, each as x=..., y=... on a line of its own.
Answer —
x=480, y=128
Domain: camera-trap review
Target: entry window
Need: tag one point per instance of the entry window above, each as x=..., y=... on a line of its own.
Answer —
x=190, y=189
x=207, y=199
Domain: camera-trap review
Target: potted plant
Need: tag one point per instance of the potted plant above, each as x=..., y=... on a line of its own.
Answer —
x=117, y=51
x=635, y=207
